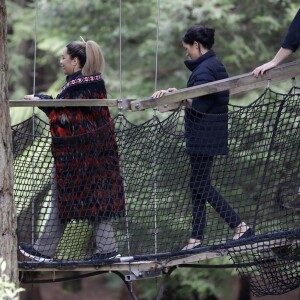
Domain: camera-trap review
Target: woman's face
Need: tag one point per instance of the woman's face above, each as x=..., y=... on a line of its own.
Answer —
x=192, y=51
x=68, y=64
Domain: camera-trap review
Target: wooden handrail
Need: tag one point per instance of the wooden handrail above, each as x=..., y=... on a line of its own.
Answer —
x=123, y=104
x=236, y=84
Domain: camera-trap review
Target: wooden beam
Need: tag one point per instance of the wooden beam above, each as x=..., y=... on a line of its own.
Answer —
x=123, y=104
x=236, y=84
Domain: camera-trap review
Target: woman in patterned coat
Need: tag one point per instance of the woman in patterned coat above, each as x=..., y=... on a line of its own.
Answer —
x=87, y=179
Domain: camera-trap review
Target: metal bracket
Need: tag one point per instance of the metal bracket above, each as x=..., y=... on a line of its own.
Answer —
x=124, y=104
x=137, y=105
x=138, y=275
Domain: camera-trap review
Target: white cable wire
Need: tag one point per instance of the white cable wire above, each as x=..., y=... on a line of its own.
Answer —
x=155, y=123
x=157, y=45
x=35, y=45
x=120, y=47
x=33, y=122
x=121, y=117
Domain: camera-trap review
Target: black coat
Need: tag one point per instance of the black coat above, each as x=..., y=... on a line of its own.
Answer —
x=206, y=123
x=292, y=38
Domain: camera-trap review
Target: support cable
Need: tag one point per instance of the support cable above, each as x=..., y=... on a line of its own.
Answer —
x=155, y=121
x=33, y=116
x=157, y=44
x=120, y=49
x=121, y=118
x=35, y=44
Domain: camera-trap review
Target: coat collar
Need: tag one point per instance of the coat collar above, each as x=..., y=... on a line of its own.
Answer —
x=74, y=76
x=191, y=64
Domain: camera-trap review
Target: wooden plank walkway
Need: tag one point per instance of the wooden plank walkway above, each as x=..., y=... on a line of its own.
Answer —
x=142, y=267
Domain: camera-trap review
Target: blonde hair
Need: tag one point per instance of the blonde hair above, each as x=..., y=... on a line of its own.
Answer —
x=94, y=59
x=89, y=55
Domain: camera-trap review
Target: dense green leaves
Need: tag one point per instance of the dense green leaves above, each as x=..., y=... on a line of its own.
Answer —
x=248, y=33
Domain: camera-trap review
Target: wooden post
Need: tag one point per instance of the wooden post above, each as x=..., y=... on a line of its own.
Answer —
x=8, y=222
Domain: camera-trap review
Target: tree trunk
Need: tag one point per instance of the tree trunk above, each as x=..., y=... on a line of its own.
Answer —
x=8, y=245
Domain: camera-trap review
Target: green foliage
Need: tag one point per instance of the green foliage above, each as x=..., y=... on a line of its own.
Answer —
x=193, y=283
x=8, y=290
x=248, y=33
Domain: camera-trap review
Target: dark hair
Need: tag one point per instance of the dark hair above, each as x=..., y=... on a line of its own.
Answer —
x=77, y=49
x=200, y=33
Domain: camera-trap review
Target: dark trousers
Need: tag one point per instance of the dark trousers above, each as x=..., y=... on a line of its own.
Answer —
x=202, y=191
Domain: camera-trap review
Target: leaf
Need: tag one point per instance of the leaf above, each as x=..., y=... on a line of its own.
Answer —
x=3, y=266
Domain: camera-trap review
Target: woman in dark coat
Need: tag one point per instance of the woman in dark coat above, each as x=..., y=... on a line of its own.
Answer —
x=87, y=183
x=206, y=127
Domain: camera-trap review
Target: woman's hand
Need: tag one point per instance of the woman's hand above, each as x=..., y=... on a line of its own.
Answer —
x=280, y=56
x=263, y=68
x=161, y=93
x=188, y=103
x=30, y=97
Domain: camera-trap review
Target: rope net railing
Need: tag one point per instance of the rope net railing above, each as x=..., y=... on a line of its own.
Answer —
x=142, y=191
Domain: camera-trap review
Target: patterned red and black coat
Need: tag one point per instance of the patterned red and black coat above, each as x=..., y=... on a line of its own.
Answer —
x=84, y=148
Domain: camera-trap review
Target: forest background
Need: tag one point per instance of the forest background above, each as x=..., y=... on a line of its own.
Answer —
x=248, y=33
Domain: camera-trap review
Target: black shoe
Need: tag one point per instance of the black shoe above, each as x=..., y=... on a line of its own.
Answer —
x=99, y=256
x=198, y=246
x=28, y=251
x=248, y=233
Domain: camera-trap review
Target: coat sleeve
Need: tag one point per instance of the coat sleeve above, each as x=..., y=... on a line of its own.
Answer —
x=46, y=110
x=292, y=38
